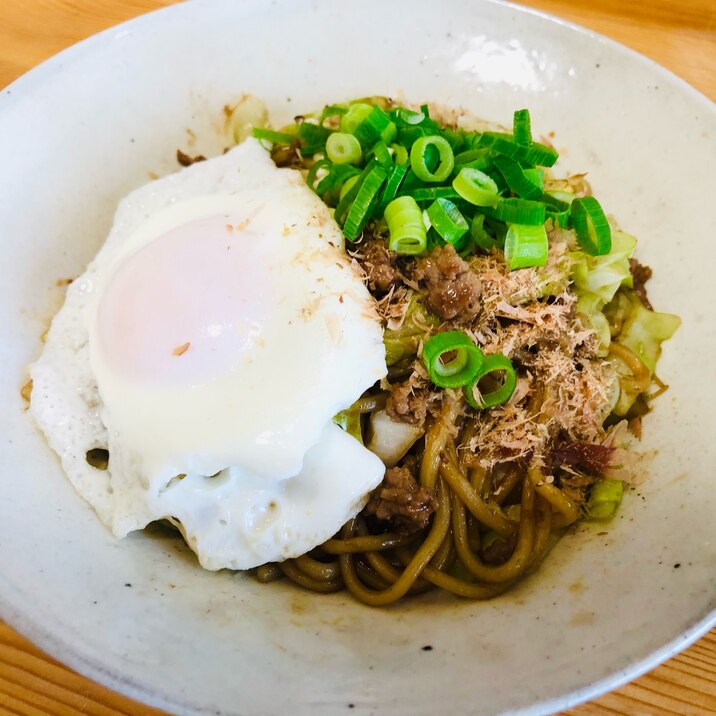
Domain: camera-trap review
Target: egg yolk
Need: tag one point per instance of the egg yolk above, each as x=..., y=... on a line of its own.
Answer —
x=189, y=305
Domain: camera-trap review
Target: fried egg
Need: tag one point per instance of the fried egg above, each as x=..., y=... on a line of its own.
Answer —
x=207, y=347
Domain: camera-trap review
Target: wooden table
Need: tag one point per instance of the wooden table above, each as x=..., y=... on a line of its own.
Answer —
x=679, y=34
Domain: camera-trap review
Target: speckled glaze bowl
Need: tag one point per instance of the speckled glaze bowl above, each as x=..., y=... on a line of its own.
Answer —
x=80, y=131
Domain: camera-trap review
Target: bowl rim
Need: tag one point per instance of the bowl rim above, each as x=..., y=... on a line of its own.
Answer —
x=62, y=648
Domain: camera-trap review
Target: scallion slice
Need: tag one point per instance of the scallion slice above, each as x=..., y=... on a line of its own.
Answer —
x=493, y=363
x=517, y=178
x=479, y=236
x=447, y=220
x=521, y=127
x=332, y=110
x=343, y=148
x=369, y=127
x=525, y=246
x=604, y=500
x=540, y=155
x=408, y=116
x=355, y=114
x=418, y=158
x=400, y=154
x=364, y=202
x=535, y=154
x=396, y=175
x=518, y=211
x=407, y=234
x=347, y=185
x=536, y=176
x=380, y=151
x=559, y=219
x=433, y=192
x=336, y=177
x=314, y=175
x=591, y=225
x=269, y=135
x=313, y=137
x=452, y=359
x=476, y=187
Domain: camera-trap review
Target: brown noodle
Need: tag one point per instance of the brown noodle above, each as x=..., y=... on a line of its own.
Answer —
x=381, y=569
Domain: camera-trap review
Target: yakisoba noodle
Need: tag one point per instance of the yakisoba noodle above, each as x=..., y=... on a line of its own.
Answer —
x=380, y=569
x=530, y=270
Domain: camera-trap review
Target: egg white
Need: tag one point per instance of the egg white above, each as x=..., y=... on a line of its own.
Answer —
x=244, y=457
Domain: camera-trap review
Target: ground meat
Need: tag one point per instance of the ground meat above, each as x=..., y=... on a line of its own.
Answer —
x=187, y=160
x=499, y=551
x=641, y=274
x=453, y=288
x=406, y=404
x=401, y=501
x=379, y=264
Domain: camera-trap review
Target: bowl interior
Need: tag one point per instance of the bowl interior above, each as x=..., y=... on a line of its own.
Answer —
x=82, y=130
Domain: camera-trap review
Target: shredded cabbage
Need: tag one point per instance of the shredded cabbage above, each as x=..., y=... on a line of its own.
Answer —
x=349, y=420
x=403, y=342
x=603, y=275
x=644, y=331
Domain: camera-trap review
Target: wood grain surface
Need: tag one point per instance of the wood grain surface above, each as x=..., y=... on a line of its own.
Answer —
x=679, y=34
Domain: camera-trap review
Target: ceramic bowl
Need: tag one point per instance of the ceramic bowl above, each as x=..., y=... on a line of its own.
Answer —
x=83, y=129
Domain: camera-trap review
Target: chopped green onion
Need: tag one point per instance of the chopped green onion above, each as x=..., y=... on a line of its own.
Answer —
x=347, y=185
x=400, y=154
x=518, y=211
x=592, y=227
x=341, y=212
x=554, y=202
x=369, y=124
x=517, y=178
x=452, y=359
x=313, y=178
x=407, y=135
x=535, y=154
x=356, y=113
x=342, y=148
x=396, y=175
x=419, y=154
x=447, y=220
x=432, y=193
x=313, y=137
x=476, y=158
x=536, y=176
x=380, y=151
x=526, y=246
x=559, y=218
x=407, y=234
x=269, y=135
x=493, y=363
x=455, y=137
x=604, y=499
x=336, y=177
x=541, y=155
x=479, y=236
x=364, y=202
x=408, y=116
x=521, y=127
x=476, y=187
x=332, y=110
